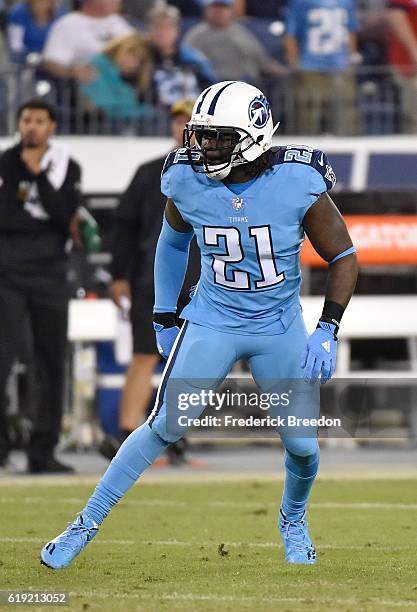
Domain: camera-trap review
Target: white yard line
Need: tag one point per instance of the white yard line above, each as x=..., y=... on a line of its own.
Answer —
x=214, y=545
x=174, y=477
x=216, y=504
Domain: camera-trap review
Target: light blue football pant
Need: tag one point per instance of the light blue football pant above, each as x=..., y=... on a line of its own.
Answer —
x=200, y=360
x=203, y=357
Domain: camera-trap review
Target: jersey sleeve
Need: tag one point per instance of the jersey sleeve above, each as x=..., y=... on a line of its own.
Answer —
x=309, y=172
x=172, y=177
x=320, y=180
x=166, y=176
x=324, y=172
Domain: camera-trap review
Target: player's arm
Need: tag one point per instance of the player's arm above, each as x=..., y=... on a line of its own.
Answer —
x=327, y=231
x=171, y=260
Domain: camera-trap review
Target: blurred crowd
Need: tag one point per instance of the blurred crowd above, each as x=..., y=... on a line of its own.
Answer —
x=125, y=62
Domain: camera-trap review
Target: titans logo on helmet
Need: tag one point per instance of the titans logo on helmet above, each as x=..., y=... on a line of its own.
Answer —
x=259, y=112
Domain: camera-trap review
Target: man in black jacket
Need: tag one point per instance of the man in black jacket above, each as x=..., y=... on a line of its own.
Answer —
x=137, y=222
x=39, y=197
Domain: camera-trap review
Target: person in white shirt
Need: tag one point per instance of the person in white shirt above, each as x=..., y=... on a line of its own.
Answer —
x=76, y=37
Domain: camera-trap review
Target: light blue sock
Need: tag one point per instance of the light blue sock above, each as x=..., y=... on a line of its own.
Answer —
x=300, y=473
x=136, y=453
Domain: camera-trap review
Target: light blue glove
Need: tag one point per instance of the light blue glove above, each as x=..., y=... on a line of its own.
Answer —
x=319, y=356
x=165, y=338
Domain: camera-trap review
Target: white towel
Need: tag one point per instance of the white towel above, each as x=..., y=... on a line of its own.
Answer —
x=55, y=162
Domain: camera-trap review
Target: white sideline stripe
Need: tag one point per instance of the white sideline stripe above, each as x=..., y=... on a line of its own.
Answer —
x=231, y=598
x=213, y=545
x=219, y=504
x=357, y=473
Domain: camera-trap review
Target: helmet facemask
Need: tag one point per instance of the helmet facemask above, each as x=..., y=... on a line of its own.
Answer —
x=229, y=143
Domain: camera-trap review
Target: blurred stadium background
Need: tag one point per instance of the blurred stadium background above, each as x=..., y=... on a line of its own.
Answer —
x=375, y=161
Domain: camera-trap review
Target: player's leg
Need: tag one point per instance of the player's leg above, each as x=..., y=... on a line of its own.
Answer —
x=276, y=366
x=200, y=355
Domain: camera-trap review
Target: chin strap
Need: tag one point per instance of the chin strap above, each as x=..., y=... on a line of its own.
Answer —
x=220, y=175
x=275, y=128
x=268, y=144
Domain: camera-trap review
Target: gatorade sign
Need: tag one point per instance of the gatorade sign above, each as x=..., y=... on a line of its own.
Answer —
x=379, y=240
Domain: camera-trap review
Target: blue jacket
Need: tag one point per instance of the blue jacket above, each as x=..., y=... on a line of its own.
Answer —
x=34, y=36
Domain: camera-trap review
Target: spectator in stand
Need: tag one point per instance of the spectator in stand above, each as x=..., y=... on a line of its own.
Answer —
x=76, y=37
x=123, y=76
x=179, y=70
x=136, y=230
x=402, y=51
x=28, y=25
x=233, y=50
x=321, y=45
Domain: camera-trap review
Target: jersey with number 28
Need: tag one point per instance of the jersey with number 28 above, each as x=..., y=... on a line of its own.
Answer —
x=250, y=242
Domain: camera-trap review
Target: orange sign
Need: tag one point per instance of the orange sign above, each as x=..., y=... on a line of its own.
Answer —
x=379, y=240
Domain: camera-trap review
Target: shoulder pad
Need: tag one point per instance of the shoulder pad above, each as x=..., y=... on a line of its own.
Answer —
x=301, y=154
x=180, y=156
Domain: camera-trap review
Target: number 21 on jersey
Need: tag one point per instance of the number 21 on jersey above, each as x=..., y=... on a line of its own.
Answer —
x=239, y=279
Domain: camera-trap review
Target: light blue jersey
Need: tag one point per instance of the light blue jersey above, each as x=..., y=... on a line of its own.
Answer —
x=250, y=242
x=322, y=29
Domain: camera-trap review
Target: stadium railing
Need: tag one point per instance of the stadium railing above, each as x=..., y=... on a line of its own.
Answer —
x=377, y=105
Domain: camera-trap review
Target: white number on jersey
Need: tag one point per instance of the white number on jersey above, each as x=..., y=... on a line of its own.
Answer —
x=234, y=254
x=328, y=32
x=299, y=154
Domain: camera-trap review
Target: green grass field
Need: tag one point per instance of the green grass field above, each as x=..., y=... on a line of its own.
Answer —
x=215, y=546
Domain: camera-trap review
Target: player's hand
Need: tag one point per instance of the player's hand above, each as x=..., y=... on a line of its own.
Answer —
x=319, y=357
x=165, y=338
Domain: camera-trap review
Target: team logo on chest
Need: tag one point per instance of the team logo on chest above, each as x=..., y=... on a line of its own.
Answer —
x=238, y=204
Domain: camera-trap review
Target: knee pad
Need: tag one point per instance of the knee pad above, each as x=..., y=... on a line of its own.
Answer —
x=159, y=428
x=302, y=447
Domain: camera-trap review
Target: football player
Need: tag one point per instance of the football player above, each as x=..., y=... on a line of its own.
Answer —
x=249, y=205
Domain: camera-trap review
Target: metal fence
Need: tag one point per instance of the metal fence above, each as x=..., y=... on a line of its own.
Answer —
x=364, y=102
